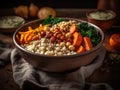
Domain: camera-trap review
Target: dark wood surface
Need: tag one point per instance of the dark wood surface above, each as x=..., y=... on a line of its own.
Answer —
x=105, y=74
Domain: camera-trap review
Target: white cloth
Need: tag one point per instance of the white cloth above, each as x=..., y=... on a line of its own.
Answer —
x=31, y=79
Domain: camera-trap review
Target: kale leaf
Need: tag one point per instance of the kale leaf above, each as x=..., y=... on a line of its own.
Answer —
x=52, y=21
x=89, y=31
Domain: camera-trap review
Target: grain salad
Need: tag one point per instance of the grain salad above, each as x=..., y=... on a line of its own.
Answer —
x=59, y=37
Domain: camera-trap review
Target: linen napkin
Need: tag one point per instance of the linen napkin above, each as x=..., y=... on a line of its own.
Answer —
x=29, y=78
x=5, y=50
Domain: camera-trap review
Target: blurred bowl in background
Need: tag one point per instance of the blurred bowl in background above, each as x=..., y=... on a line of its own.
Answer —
x=102, y=18
x=10, y=23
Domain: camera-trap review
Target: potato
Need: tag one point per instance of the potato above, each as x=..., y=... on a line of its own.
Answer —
x=22, y=11
x=44, y=12
x=33, y=10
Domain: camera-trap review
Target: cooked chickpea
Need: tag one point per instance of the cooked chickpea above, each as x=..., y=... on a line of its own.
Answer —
x=63, y=49
x=43, y=40
x=42, y=48
x=57, y=49
x=68, y=44
x=62, y=44
x=49, y=53
x=30, y=47
x=71, y=47
x=47, y=28
x=43, y=44
x=59, y=53
x=68, y=35
x=42, y=52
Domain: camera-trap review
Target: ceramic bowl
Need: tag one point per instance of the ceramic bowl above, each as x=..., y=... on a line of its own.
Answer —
x=102, y=18
x=57, y=63
x=10, y=23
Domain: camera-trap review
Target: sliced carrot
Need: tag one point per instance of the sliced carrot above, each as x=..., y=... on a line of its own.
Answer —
x=31, y=31
x=30, y=34
x=30, y=28
x=30, y=38
x=80, y=49
x=73, y=29
x=35, y=37
x=87, y=43
x=77, y=39
x=26, y=36
x=17, y=37
x=22, y=38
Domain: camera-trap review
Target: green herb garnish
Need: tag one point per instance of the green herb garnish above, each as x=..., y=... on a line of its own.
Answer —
x=52, y=21
x=90, y=32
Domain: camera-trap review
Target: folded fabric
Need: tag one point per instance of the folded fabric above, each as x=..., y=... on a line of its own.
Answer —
x=5, y=51
x=29, y=78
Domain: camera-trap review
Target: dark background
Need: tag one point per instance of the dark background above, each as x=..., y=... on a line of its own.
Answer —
x=51, y=3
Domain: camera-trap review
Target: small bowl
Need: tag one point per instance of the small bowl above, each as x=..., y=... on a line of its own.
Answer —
x=102, y=18
x=10, y=23
x=57, y=63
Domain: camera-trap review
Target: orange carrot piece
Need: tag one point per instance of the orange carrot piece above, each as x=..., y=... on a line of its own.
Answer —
x=77, y=39
x=87, y=43
x=30, y=28
x=36, y=37
x=22, y=38
x=17, y=37
x=73, y=29
x=30, y=38
x=80, y=49
x=32, y=31
x=27, y=35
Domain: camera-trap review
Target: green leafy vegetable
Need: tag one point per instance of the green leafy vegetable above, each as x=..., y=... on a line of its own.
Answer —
x=52, y=21
x=89, y=31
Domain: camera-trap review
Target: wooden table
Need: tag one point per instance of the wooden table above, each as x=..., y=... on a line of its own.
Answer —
x=105, y=74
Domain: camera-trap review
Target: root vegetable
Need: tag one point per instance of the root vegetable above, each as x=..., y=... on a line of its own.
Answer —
x=45, y=12
x=73, y=29
x=80, y=49
x=22, y=11
x=87, y=43
x=33, y=10
x=77, y=39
